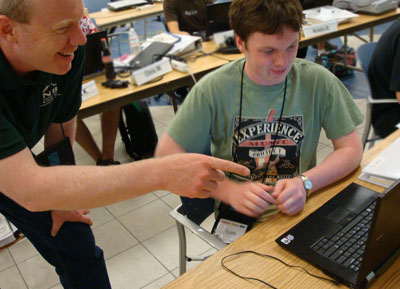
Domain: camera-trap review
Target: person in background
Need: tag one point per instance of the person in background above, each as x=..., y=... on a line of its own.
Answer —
x=384, y=78
x=185, y=17
x=41, y=68
x=266, y=111
x=109, y=122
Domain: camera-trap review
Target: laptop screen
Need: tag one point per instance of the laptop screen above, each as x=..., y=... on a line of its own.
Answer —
x=217, y=18
x=93, y=63
x=309, y=4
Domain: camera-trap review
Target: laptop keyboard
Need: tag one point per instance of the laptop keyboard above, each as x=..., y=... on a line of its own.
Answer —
x=347, y=246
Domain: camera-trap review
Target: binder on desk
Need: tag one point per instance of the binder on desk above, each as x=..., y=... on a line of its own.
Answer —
x=385, y=168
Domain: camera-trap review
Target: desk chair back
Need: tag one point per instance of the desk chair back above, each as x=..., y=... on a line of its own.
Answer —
x=364, y=54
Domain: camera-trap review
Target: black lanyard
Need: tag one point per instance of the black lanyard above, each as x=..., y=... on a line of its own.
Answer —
x=240, y=122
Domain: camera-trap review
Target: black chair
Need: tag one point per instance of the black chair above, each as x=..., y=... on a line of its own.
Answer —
x=364, y=54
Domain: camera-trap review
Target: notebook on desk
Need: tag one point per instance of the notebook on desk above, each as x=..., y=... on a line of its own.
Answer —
x=384, y=169
x=354, y=237
x=126, y=4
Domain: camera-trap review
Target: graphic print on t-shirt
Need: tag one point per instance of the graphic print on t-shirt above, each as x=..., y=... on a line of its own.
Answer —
x=255, y=148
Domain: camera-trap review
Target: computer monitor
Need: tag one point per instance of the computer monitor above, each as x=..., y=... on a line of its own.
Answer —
x=217, y=18
x=309, y=4
x=93, y=64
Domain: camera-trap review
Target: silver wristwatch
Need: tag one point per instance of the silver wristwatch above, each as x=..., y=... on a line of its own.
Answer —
x=307, y=185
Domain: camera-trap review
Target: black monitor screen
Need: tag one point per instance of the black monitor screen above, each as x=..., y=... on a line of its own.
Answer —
x=309, y=4
x=217, y=19
x=93, y=63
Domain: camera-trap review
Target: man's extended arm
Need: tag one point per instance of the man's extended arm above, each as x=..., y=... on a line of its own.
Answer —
x=73, y=187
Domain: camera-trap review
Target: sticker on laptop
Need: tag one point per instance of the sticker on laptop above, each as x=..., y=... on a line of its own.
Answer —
x=286, y=240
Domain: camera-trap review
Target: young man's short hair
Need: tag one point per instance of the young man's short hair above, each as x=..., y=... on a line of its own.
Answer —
x=265, y=16
x=17, y=10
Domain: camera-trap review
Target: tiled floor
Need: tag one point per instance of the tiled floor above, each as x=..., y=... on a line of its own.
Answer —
x=138, y=237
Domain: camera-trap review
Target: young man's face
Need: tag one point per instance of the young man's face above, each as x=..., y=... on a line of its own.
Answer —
x=269, y=57
x=48, y=42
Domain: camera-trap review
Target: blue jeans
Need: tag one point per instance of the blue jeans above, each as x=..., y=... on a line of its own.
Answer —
x=78, y=261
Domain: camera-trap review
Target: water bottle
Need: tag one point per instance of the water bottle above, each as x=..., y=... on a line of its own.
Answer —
x=106, y=58
x=134, y=43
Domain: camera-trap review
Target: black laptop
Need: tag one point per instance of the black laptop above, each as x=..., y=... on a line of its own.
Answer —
x=354, y=237
x=152, y=53
x=93, y=64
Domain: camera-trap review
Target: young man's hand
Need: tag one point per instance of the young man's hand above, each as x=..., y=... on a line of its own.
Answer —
x=290, y=195
x=250, y=198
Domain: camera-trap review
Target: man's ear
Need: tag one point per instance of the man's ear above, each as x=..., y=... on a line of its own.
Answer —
x=7, y=28
x=241, y=45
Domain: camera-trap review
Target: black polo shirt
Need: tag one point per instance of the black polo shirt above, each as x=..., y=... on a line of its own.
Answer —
x=190, y=14
x=27, y=108
x=384, y=77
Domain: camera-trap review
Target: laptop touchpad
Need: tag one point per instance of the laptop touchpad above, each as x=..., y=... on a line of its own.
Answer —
x=338, y=215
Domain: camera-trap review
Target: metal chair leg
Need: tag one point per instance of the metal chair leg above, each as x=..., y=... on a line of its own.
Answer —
x=182, y=248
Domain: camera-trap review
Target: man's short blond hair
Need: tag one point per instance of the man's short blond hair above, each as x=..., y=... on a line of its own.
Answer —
x=17, y=10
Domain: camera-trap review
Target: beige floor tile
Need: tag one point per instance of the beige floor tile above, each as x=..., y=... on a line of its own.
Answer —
x=162, y=114
x=58, y=286
x=127, y=206
x=172, y=200
x=159, y=283
x=134, y=268
x=324, y=139
x=38, y=274
x=148, y=221
x=161, y=193
x=165, y=247
x=323, y=153
x=6, y=261
x=113, y=238
x=100, y=216
x=23, y=250
x=11, y=279
x=191, y=265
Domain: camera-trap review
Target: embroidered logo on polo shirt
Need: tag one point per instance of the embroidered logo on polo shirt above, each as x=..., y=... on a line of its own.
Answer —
x=50, y=92
x=190, y=12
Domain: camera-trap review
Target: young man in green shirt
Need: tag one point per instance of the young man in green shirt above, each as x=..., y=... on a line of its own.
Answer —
x=266, y=111
x=41, y=66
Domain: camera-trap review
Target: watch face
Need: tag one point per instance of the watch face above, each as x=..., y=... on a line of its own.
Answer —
x=307, y=184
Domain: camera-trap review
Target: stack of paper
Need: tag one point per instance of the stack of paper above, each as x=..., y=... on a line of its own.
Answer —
x=165, y=37
x=329, y=14
x=6, y=234
x=385, y=168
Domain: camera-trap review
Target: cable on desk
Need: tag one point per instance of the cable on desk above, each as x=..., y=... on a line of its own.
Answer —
x=274, y=258
x=123, y=71
x=212, y=53
x=191, y=74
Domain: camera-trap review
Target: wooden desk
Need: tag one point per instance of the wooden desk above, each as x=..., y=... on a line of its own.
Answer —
x=364, y=21
x=210, y=274
x=109, y=19
x=113, y=98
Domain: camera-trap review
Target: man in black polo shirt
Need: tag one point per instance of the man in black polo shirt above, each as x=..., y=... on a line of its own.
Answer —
x=185, y=16
x=384, y=77
x=41, y=65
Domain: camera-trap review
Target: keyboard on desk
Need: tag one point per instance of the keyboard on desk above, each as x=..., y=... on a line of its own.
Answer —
x=346, y=247
x=125, y=4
